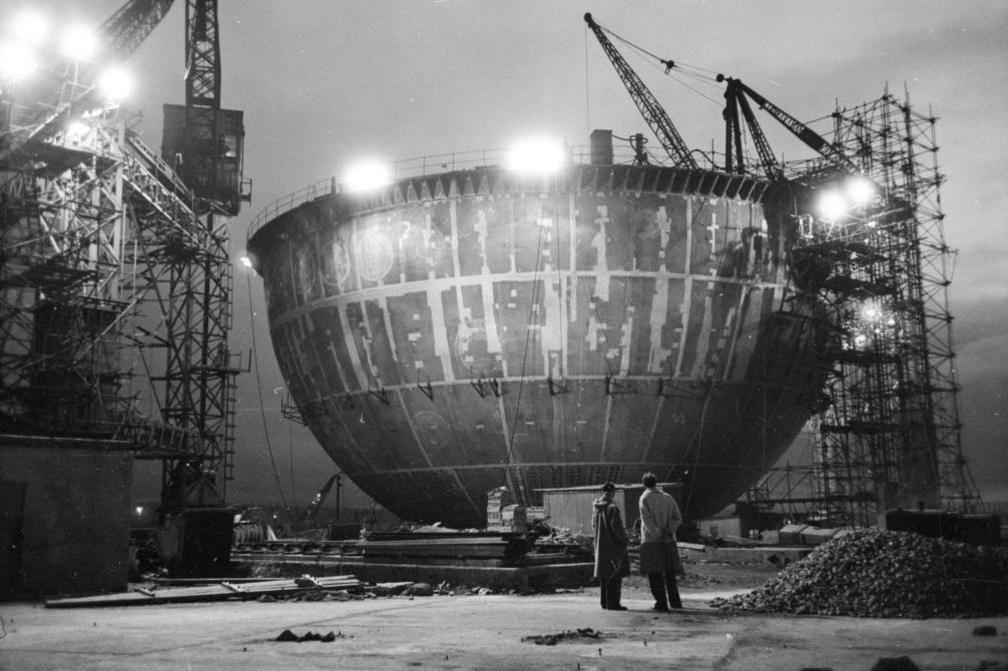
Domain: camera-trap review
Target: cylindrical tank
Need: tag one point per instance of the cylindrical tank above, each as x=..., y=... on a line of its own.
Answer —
x=471, y=329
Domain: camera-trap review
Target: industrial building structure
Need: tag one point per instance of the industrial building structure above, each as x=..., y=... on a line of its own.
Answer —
x=116, y=281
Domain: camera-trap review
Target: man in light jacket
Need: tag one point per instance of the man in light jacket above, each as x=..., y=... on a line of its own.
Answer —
x=659, y=556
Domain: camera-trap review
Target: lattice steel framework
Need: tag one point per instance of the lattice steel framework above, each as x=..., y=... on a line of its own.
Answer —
x=110, y=274
x=897, y=148
x=889, y=434
x=62, y=242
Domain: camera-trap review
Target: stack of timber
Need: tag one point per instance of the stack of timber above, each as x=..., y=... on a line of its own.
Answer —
x=495, y=549
x=441, y=547
x=495, y=560
x=219, y=591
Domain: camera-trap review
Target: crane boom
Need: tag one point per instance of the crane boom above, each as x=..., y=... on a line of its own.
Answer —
x=202, y=45
x=655, y=116
x=734, y=159
x=122, y=33
x=736, y=100
x=201, y=138
x=812, y=139
x=131, y=24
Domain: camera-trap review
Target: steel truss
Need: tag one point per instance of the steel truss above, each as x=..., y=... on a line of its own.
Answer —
x=897, y=148
x=889, y=433
x=115, y=296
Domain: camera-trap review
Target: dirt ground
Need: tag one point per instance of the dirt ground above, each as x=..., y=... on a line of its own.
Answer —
x=711, y=575
x=561, y=630
x=703, y=576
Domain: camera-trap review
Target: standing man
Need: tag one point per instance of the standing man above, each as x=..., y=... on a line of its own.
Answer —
x=659, y=556
x=612, y=563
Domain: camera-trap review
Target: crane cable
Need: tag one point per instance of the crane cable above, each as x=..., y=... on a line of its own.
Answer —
x=668, y=63
x=262, y=409
x=587, y=91
x=533, y=305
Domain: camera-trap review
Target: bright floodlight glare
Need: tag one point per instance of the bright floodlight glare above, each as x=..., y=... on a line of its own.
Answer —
x=367, y=175
x=246, y=261
x=17, y=61
x=79, y=42
x=832, y=206
x=76, y=130
x=29, y=27
x=871, y=312
x=115, y=83
x=860, y=190
x=540, y=156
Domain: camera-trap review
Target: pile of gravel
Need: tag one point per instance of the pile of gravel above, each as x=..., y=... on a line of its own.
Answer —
x=872, y=573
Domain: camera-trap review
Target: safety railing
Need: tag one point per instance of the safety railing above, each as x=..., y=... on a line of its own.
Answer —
x=408, y=168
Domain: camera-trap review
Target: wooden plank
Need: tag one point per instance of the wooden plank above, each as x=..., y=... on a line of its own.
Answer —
x=219, y=592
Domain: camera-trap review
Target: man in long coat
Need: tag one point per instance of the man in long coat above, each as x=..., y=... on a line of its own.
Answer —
x=612, y=563
x=659, y=555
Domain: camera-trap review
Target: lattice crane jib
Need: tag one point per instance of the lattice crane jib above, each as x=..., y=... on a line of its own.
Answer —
x=800, y=130
x=735, y=101
x=651, y=110
x=131, y=24
x=203, y=144
x=202, y=141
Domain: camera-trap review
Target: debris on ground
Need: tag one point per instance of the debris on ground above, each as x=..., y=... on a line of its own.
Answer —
x=305, y=587
x=388, y=588
x=419, y=589
x=875, y=573
x=901, y=663
x=557, y=537
x=992, y=665
x=288, y=636
x=569, y=635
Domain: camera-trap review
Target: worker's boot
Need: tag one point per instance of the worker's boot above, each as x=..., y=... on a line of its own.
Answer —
x=656, y=582
x=616, y=595
x=673, y=592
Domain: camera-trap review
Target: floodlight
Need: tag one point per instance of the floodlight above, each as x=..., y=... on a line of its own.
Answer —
x=871, y=312
x=115, y=83
x=76, y=130
x=860, y=190
x=79, y=42
x=367, y=175
x=246, y=261
x=29, y=27
x=860, y=340
x=832, y=205
x=17, y=61
x=536, y=156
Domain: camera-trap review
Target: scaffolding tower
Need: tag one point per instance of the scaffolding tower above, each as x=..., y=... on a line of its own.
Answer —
x=114, y=292
x=888, y=434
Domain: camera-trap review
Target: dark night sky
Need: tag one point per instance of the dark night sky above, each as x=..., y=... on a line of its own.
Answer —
x=324, y=82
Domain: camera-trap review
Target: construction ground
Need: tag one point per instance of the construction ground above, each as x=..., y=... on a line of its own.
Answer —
x=565, y=629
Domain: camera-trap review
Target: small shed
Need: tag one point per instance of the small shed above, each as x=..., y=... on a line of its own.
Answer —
x=571, y=507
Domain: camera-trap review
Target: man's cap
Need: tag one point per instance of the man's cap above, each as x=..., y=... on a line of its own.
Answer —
x=608, y=487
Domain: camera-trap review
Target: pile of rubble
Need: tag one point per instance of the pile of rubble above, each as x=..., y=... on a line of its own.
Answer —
x=872, y=573
x=570, y=635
